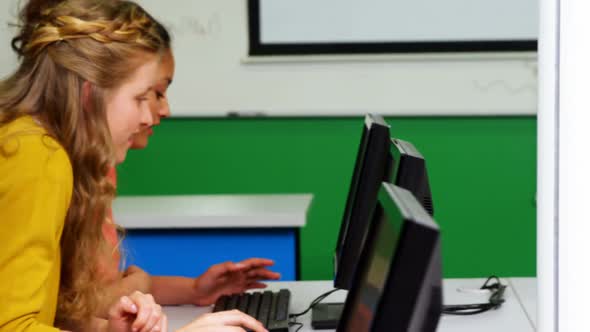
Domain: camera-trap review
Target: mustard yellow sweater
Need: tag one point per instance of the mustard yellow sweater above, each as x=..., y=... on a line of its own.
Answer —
x=35, y=190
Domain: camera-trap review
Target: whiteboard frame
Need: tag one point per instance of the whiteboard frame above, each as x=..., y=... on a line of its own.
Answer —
x=259, y=48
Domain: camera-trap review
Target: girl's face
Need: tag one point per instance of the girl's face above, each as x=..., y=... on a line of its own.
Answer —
x=128, y=107
x=159, y=106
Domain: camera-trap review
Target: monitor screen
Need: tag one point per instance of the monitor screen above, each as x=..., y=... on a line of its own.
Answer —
x=371, y=287
x=399, y=284
x=373, y=165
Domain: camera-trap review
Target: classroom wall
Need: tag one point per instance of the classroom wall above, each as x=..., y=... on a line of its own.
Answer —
x=482, y=173
x=210, y=40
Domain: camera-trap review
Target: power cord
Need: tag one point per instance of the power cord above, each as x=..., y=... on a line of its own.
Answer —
x=296, y=324
x=315, y=302
x=495, y=301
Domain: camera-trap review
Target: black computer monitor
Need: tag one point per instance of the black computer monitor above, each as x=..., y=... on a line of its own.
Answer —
x=373, y=166
x=410, y=172
x=399, y=283
x=394, y=161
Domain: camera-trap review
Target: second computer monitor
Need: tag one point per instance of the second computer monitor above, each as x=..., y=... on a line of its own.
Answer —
x=399, y=283
x=409, y=172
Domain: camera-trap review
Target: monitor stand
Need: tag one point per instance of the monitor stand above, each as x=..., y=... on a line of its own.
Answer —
x=325, y=316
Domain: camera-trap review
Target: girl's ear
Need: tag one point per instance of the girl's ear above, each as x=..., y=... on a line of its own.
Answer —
x=86, y=95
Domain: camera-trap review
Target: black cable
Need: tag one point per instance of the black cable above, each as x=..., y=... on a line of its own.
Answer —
x=315, y=302
x=298, y=324
x=467, y=309
x=495, y=301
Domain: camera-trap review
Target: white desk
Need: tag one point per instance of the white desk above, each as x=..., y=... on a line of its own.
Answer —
x=510, y=317
x=526, y=291
x=212, y=211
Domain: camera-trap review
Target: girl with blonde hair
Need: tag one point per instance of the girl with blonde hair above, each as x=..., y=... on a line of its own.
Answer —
x=68, y=114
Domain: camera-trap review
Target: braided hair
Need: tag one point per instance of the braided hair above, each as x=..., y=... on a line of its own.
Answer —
x=63, y=45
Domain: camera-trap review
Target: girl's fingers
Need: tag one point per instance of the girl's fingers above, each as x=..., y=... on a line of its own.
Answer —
x=148, y=312
x=164, y=323
x=257, y=262
x=255, y=285
x=237, y=318
x=247, y=266
x=222, y=268
x=153, y=321
x=143, y=313
x=160, y=323
x=123, y=307
x=263, y=274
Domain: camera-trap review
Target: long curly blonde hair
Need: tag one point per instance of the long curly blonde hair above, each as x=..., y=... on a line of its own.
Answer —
x=61, y=45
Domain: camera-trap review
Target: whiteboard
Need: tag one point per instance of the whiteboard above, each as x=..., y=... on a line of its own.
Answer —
x=215, y=76
x=344, y=21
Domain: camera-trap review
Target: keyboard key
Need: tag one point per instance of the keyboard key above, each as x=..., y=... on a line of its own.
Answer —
x=279, y=319
x=243, y=302
x=264, y=310
x=254, y=304
x=232, y=302
x=220, y=304
x=273, y=308
x=283, y=304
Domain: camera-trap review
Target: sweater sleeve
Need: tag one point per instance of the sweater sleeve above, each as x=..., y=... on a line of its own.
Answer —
x=35, y=192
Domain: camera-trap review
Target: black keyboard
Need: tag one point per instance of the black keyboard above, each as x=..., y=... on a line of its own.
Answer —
x=269, y=308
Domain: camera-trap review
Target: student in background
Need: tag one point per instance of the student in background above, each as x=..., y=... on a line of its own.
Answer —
x=67, y=114
x=221, y=279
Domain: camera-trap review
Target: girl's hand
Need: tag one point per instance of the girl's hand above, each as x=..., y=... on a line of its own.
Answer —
x=224, y=321
x=231, y=278
x=137, y=313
